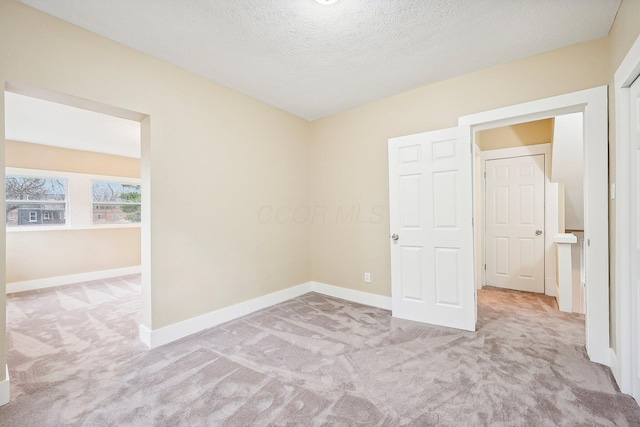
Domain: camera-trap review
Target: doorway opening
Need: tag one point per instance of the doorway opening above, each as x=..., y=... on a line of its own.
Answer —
x=529, y=190
x=79, y=179
x=432, y=216
x=592, y=103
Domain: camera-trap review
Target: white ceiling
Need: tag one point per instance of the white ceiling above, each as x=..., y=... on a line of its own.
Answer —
x=44, y=122
x=313, y=60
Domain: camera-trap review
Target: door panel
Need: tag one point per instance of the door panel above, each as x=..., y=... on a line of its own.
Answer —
x=409, y=193
x=514, y=213
x=430, y=198
x=412, y=273
x=446, y=276
x=444, y=200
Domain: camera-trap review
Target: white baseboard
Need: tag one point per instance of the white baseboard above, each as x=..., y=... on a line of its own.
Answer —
x=5, y=388
x=29, y=285
x=360, y=297
x=167, y=334
x=550, y=287
x=156, y=338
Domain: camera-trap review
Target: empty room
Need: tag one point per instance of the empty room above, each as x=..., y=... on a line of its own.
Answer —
x=320, y=212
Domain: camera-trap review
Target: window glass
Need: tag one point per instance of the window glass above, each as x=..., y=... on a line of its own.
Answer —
x=115, y=203
x=35, y=201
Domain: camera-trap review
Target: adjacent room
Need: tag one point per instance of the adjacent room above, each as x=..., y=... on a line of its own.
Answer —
x=320, y=212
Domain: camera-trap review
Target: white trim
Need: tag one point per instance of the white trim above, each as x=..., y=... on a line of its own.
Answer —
x=565, y=238
x=547, y=108
x=66, y=227
x=627, y=72
x=158, y=337
x=5, y=388
x=352, y=295
x=478, y=218
x=593, y=103
x=564, y=294
x=145, y=336
x=29, y=285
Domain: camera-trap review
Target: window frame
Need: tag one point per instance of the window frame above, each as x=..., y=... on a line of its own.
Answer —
x=78, y=214
x=37, y=173
x=113, y=215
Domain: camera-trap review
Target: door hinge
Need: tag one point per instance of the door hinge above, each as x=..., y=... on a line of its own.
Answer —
x=485, y=267
x=485, y=174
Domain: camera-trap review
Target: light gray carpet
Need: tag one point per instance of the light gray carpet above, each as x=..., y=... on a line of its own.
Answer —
x=75, y=359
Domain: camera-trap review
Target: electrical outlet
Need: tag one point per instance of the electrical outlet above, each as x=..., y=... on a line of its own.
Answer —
x=367, y=277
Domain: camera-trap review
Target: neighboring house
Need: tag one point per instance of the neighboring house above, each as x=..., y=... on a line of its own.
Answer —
x=36, y=215
x=110, y=214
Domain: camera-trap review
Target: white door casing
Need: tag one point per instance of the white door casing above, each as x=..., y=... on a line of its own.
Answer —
x=431, y=211
x=634, y=133
x=593, y=103
x=514, y=232
x=624, y=192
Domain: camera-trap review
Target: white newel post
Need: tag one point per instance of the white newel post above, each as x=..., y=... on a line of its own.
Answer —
x=564, y=282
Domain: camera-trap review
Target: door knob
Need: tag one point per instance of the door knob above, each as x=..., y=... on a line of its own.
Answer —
x=395, y=237
x=538, y=232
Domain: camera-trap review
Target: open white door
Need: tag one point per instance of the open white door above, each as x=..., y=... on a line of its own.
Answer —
x=431, y=213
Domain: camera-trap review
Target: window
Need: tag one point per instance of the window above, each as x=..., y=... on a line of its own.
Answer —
x=115, y=202
x=39, y=199
x=30, y=200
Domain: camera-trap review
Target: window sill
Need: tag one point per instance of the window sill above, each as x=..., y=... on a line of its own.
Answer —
x=67, y=228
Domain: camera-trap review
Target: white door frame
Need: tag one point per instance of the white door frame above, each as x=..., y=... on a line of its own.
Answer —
x=549, y=244
x=593, y=104
x=621, y=361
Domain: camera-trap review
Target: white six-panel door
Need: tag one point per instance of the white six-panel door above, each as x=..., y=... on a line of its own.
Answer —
x=514, y=239
x=431, y=209
x=635, y=234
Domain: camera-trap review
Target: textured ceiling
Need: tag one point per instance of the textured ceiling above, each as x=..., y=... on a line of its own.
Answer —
x=44, y=122
x=314, y=60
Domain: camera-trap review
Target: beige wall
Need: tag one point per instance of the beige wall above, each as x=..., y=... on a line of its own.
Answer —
x=623, y=34
x=217, y=154
x=530, y=133
x=35, y=156
x=230, y=158
x=349, y=151
x=42, y=254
